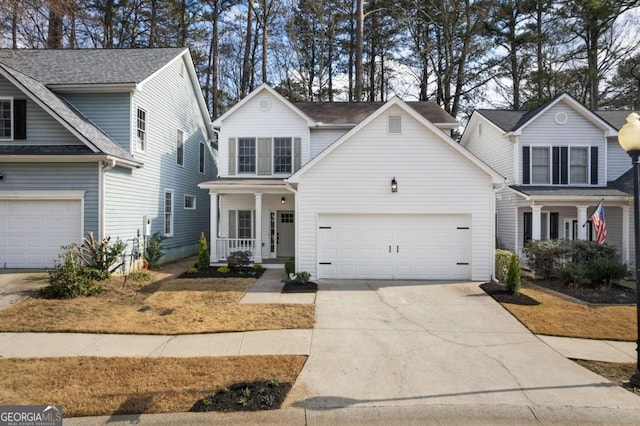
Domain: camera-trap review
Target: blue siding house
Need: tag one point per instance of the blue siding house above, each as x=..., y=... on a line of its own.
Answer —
x=113, y=141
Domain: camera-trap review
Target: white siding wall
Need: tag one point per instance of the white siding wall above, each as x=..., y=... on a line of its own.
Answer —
x=432, y=178
x=618, y=161
x=491, y=146
x=170, y=102
x=250, y=121
x=42, y=129
x=322, y=138
x=577, y=131
x=506, y=217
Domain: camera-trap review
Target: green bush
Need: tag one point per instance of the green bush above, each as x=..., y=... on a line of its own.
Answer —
x=290, y=266
x=100, y=258
x=544, y=257
x=302, y=277
x=139, y=276
x=154, y=250
x=69, y=278
x=513, y=275
x=192, y=270
x=257, y=267
x=223, y=269
x=573, y=274
x=603, y=270
x=503, y=258
x=203, y=253
x=239, y=259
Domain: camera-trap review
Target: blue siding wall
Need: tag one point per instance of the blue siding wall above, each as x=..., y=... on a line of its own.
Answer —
x=42, y=129
x=56, y=177
x=108, y=111
x=170, y=102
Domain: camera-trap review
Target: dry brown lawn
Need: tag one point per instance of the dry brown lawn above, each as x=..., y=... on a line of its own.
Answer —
x=166, y=305
x=88, y=386
x=559, y=316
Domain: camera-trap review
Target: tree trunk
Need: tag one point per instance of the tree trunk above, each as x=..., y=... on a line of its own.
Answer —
x=54, y=32
x=359, y=48
x=153, y=24
x=265, y=16
x=107, y=39
x=244, y=86
x=14, y=25
x=592, y=66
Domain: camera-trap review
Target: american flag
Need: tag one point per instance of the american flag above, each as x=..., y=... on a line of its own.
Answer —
x=597, y=218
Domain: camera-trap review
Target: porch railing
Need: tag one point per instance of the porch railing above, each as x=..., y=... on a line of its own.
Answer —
x=226, y=246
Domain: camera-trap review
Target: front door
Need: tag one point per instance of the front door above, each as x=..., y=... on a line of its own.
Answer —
x=285, y=236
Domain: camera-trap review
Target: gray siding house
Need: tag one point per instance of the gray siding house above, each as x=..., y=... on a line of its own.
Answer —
x=109, y=141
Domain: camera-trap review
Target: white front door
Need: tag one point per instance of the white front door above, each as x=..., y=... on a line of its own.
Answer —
x=285, y=234
x=394, y=246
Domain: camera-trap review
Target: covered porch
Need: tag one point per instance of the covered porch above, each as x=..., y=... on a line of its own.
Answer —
x=252, y=215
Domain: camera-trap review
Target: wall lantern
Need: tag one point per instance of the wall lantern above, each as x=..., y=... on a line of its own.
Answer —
x=394, y=185
x=283, y=200
x=1, y=176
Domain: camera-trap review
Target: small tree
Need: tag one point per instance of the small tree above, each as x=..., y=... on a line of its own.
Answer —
x=513, y=275
x=203, y=253
x=154, y=250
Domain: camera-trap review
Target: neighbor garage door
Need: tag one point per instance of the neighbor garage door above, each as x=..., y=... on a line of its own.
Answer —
x=32, y=231
x=395, y=246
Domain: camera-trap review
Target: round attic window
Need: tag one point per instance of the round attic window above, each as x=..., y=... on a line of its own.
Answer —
x=561, y=118
x=264, y=105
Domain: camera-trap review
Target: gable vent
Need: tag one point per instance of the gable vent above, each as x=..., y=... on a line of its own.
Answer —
x=395, y=124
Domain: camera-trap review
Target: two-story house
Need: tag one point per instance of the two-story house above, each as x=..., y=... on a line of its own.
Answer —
x=560, y=160
x=111, y=141
x=351, y=190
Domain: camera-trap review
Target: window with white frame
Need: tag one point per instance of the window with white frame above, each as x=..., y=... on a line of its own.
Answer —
x=201, y=158
x=168, y=213
x=246, y=155
x=180, y=148
x=245, y=223
x=189, y=202
x=141, y=130
x=282, y=155
x=578, y=165
x=6, y=119
x=540, y=165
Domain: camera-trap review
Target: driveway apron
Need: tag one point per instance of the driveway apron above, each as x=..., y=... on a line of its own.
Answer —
x=381, y=343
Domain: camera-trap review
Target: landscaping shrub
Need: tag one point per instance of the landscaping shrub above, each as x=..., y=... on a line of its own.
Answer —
x=100, y=257
x=302, y=277
x=203, y=253
x=239, y=259
x=544, y=257
x=573, y=274
x=290, y=266
x=513, y=275
x=223, y=269
x=257, y=267
x=503, y=258
x=69, y=278
x=603, y=270
x=139, y=276
x=154, y=250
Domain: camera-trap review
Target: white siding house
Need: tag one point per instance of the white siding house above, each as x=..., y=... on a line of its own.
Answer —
x=339, y=208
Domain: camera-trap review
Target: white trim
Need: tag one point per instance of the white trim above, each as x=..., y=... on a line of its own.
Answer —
x=182, y=145
x=136, y=128
x=42, y=195
x=164, y=213
x=273, y=155
x=92, y=88
x=11, y=121
x=184, y=202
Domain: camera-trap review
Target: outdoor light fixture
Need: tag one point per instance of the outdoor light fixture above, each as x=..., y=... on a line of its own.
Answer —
x=283, y=200
x=629, y=139
x=394, y=185
x=1, y=176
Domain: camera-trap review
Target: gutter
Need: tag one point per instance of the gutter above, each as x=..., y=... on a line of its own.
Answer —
x=128, y=164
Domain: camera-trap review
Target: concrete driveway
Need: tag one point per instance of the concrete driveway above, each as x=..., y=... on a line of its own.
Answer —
x=389, y=344
x=16, y=284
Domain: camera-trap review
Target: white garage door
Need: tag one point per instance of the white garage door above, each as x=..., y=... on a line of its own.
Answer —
x=32, y=231
x=395, y=246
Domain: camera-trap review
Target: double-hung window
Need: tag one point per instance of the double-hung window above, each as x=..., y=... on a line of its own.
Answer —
x=246, y=155
x=141, y=130
x=6, y=119
x=180, y=148
x=245, y=224
x=578, y=165
x=282, y=155
x=540, y=165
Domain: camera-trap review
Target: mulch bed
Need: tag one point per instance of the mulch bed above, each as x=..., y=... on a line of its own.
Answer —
x=294, y=287
x=502, y=295
x=606, y=295
x=253, y=396
x=212, y=272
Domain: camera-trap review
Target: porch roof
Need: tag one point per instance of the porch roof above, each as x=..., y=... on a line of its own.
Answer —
x=569, y=193
x=246, y=185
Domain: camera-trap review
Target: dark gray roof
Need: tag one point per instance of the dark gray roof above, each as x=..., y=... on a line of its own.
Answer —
x=507, y=120
x=45, y=150
x=624, y=183
x=66, y=113
x=89, y=66
x=616, y=119
x=543, y=191
x=354, y=112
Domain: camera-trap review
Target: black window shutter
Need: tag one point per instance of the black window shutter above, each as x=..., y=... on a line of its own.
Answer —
x=527, y=227
x=526, y=169
x=594, y=165
x=20, y=119
x=564, y=165
x=554, y=219
x=556, y=165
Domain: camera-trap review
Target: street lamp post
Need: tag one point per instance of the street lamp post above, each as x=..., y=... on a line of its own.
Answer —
x=629, y=139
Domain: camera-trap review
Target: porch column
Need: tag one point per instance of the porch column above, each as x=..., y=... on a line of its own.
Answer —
x=536, y=230
x=626, y=231
x=213, y=227
x=582, y=220
x=257, y=252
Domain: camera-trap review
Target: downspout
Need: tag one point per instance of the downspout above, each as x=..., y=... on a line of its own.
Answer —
x=104, y=167
x=494, y=218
